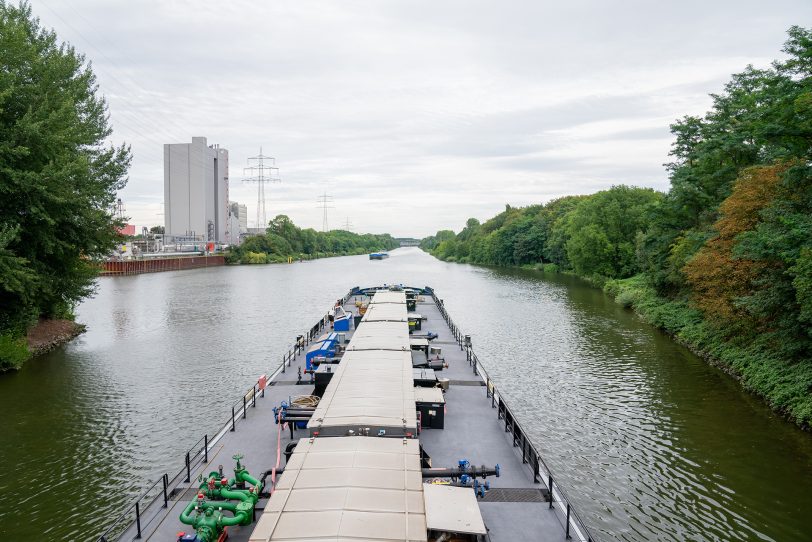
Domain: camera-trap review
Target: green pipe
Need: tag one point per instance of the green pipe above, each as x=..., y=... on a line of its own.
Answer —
x=206, y=516
x=185, y=517
x=237, y=494
x=208, y=520
x=217, y=505
x=245, y=477
x=239, y=519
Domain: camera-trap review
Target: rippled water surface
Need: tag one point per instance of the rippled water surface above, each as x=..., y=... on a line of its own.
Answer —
x=649, y=441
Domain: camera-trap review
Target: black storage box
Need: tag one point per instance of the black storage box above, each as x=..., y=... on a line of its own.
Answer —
x=431, y=406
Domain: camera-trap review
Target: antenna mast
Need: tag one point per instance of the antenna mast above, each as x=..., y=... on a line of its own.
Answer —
x=259, y=172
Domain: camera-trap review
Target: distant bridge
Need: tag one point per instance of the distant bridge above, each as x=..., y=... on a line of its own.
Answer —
x=408, y=242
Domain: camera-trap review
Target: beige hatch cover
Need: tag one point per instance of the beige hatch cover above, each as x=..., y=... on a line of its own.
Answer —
x=452, y=509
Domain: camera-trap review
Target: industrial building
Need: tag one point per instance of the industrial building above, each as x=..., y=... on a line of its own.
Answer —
x=243, y=216
x=237, y=222
x=196, y=206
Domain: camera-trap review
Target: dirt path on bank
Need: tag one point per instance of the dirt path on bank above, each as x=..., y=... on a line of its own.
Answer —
x=48, y=334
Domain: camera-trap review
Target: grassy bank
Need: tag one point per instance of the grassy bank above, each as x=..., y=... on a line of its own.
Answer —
x=42, y=337
x=784, y=385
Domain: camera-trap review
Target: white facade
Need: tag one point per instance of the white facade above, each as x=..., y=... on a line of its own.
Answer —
x=243, y=217
x=196, y=190
x=240, y=211
x=236, y=217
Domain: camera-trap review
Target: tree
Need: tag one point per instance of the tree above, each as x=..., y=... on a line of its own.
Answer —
x=608, y=223
x=761, y=117
x=58, y=177
x=717, y=277
x=779, y=299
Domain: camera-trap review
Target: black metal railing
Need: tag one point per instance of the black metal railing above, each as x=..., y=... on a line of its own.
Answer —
x=163, y=488
x=572, y=523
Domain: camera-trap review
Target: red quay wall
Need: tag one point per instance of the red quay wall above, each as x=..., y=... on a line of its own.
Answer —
x=135, y=267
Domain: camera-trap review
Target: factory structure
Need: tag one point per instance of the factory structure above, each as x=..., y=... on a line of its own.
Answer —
x=196, y=206
x=199, y=218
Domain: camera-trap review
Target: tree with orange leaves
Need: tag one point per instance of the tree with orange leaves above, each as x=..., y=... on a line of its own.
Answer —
x=717, y=276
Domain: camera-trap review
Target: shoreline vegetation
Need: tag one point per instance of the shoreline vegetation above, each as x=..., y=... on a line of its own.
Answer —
x=723, y=260
x=60, y=175
x=283, y=241
x=42, y=337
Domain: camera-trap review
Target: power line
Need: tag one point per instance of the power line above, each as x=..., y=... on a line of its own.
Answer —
x=347, y=225
x=324, y=200
x=261, y=174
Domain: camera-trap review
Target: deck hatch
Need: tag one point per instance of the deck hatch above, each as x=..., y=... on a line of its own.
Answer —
x=452, y=509
x=370, y=499
x=370, y=390
x=386, y=312
x=383, y=296
x=380, y=335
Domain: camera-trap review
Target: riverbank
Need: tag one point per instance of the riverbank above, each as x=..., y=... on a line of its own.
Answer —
x=261, y=258
x=783, y=384
x=42, y=337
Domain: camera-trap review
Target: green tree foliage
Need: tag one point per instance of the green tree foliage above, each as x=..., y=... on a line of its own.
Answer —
x=432, y=242
x=283, y=240
x=593, y=235
x=58, y=177
x=778, y=296
x=761, y=117
x=717, y=278
x=602, y=231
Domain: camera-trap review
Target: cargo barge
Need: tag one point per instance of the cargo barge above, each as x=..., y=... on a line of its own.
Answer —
x=380, y=423
x=378, y=255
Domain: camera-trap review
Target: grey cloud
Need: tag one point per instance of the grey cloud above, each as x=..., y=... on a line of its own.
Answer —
x=470, y=104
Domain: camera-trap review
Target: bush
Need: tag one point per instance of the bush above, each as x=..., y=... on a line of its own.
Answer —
x=254, y=257
x=13, y=352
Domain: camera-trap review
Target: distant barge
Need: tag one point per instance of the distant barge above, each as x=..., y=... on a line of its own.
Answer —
x=378, y=255
x=371, y=428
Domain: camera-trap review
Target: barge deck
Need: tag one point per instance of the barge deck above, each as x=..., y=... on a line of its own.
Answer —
x=523, y=503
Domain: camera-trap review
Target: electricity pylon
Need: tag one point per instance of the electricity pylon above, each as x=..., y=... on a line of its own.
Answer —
x=324, y=200
x=261, y=173
x=347, y=225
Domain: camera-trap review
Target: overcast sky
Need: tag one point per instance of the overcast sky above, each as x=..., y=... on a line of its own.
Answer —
x=414, y=115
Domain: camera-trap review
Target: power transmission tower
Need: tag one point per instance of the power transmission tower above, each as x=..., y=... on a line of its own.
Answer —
x=347, y=225
x=259, y=172
x=119, y=209
x=324, y=200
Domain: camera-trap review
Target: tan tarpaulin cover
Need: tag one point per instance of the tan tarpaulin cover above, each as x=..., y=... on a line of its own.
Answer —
x=383, y=296
x=370, y=389
x=347, y=488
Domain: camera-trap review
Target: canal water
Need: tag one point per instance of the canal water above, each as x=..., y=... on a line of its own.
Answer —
x=649, y=441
